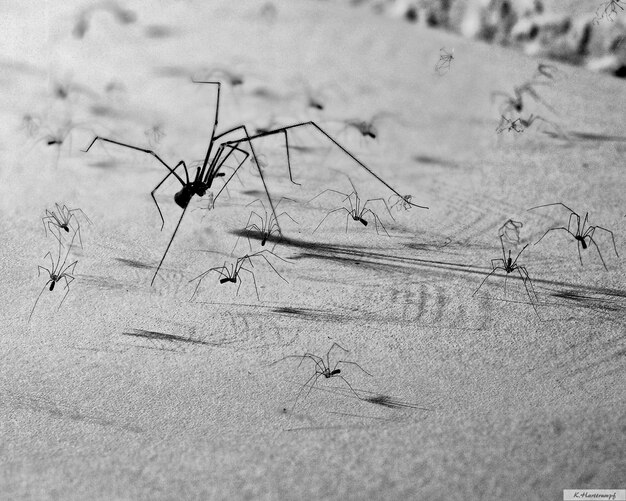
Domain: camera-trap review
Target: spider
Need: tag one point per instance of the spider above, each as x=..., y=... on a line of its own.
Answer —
x=516, y=102
x=57, y=272
x=609, y=11
x=402, y=203
x=357, y=210
x=510, y=266
x=510, y=231
x=232, y=274
x=366, y=127
x=323, y=368
x=445, y=59
x=264, y=225
x=62, y=220
x=520, y=125
x=211, y=167
x=584, y=231
x=205, y=174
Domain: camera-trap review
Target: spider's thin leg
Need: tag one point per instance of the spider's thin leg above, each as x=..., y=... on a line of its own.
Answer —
x=315, y=376
x=599, y=253
x=326, y=190
x=253, y=280
x=37, y=300
x=552, y=229
x=352, y=363
x=610, y=233
x=377, y=221
x=67, y=286
x=549, y=205
x=521, y=269
x=519, y=254
x=168, y=245
x=349, y=386
x=383, y=201
x=150, y=152
x=159, y=185
x=272, y=266
x=334, y=210
x=485, y=279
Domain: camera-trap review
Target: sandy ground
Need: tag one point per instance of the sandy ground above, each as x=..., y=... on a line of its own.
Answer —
x=133, y=391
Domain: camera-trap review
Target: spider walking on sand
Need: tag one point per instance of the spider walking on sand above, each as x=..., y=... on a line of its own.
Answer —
x=608, y=10
x=509, y=265
x=61, y=219
x=583, y=234
x=445, y=60
x=231, y=273
x=264, y=226
x=324, y=368
x=357, y=210
x=57, y=271
x=515, y=102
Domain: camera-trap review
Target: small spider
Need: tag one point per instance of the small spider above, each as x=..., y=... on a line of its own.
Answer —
x=510, y=266
x=57, y=272
x=520, y=125
x=323, y=368
x=583, y=232
x=516, y=102
x=264, y=225
x=62, y=220
x=401, y=203
x=357, y=211
x=445, y=59
x=232, y=274
x=510, y=231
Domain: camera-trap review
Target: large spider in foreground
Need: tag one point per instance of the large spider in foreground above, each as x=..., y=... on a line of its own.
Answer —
x=584, y=232
x=509, y=265
x=213, y=164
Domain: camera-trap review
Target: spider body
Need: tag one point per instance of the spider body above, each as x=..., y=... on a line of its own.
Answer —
x=265, y=224
x=583, y=234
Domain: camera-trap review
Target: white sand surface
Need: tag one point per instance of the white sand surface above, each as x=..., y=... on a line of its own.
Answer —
x=485, y=398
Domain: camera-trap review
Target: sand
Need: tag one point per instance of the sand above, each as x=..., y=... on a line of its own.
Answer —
x=133, y=391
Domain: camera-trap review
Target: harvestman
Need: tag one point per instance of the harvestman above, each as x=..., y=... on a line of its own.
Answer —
x=205, y=176
x=62, y=220
x=323, y=368
x=509, y=266
x=57, y=272
x=581, y=233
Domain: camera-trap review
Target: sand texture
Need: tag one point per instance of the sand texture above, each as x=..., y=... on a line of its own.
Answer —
x=136, y=391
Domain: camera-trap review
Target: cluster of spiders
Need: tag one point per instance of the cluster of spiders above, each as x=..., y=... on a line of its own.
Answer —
x=60, y=222
x=577, y=228
x=513, y=106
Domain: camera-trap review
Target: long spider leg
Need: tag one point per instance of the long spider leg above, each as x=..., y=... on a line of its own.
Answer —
x=37, y=300
x=150, y=152
x=315, y=376
x=527, y=279
x=288, y=160
x=159, y=185
x=349, y=385
x=377, y=221
x=519, y=254
x=334, y=210
x=549, y=205
x=168, y=245
x=552, y=229
x=254, y=280
x=352, y=363
x=78, y=210
x=272, y=266
x=332, y=347
x=71, y=265
x=609, y=232
x=485, y=279
x=326, y=190
x=599, y=253
x=67, y=286
x=383, y=201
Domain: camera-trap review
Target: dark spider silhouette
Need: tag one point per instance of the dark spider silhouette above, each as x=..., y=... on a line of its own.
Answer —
x=323, y=368
x=583, y=232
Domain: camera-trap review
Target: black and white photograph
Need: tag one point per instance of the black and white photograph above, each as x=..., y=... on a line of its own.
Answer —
x=313, y=250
